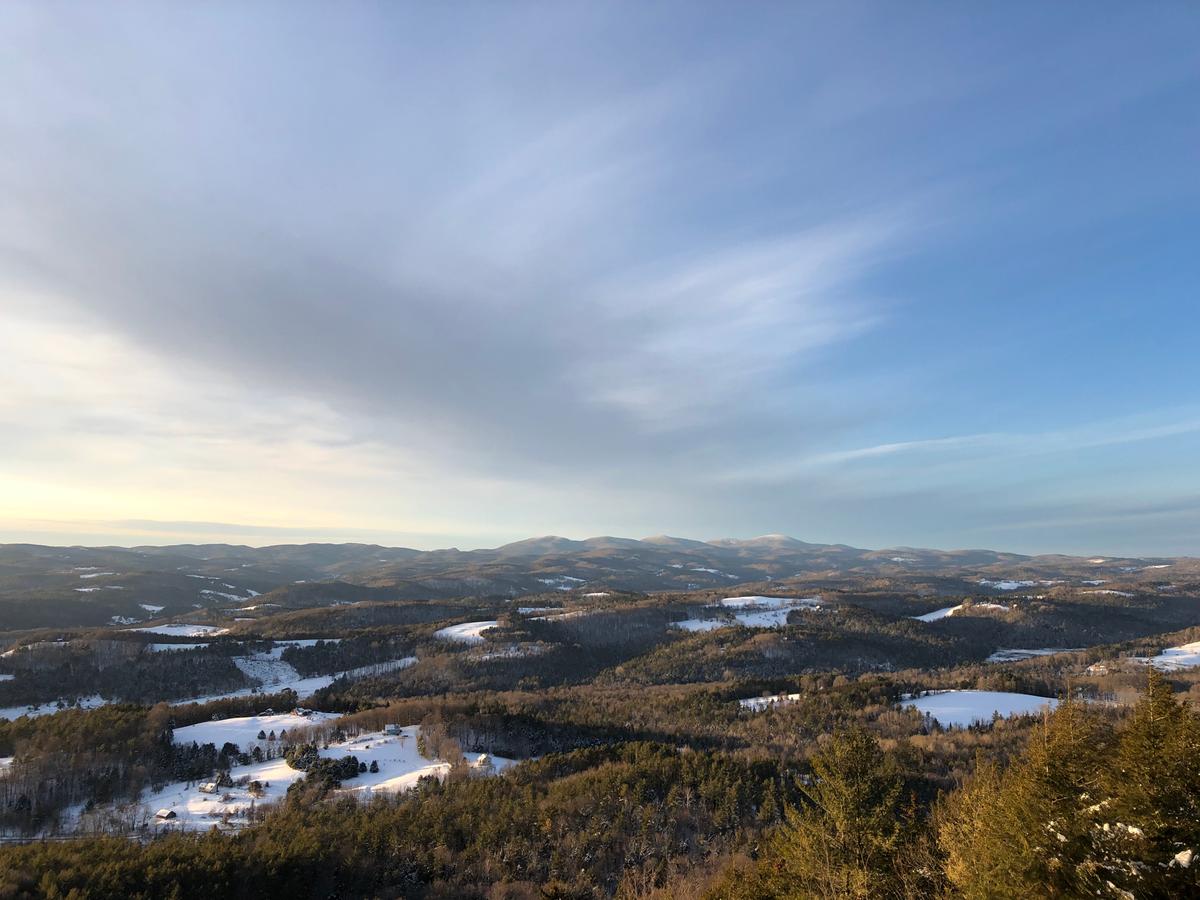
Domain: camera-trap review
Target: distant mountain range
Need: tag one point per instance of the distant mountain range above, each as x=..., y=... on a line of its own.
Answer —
x=92, y=585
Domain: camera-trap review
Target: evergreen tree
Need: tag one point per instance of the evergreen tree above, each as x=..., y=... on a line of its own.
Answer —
x=1151, y=814
x=842, y=841
x=1025, y=832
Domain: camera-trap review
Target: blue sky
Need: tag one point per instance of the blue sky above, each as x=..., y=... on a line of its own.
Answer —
x=882, y=274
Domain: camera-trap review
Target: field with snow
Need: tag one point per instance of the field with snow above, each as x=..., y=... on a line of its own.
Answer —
x=938, y=614
x=1015, y=654
x=758, y=704
x=1173, y=659
x=755, y=612
x=45, y=709
x=401, y=766
x=183, y=630
x=959, y=709
x=952, y=610
x=242, y=731
x=563, y=582
x=167, y=648
x=466, y=632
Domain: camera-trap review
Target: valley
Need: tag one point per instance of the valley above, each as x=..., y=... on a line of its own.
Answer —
x=352, y=690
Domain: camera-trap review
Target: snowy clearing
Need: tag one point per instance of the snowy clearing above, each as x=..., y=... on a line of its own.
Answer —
x=167, y=648
x=938, y=614
x=1015, y=654
x=758, y=704
x=771, y=602
x=466, y=632
x=959, y=709
x=953, y=610
x=399, y=764
x=277, y=675
x=151, y=608
x=222, y=594
x=45, y=709
x=1172, y=659
x=563, y=582
x=755, y=612
x=701, y=624
x=243, y=730
x=1007, y=585
x=183, y=630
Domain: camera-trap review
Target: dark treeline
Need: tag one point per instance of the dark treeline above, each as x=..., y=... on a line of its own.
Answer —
x=116, y=670
x=362, y=649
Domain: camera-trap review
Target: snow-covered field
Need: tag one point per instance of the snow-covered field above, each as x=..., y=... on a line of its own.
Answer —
x=1173, y=659
x=958, y=709
x=400, y=767
x=756, y=612
x=151, y=608
x=242, y=731
x=1008, y=585
x=277, y=675
x=938, y=614
x=183, y=630
x=771, y=602
x=1015, y=654
x=951, y=610
x=563, y=582
x=167, y=648
x=758, y=704
x=465, y=633
x=701, y=624
x=45, y=709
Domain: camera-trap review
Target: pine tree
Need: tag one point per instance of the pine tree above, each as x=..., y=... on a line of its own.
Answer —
x=1024, y=832
x=841, y=843
x=1152, y=813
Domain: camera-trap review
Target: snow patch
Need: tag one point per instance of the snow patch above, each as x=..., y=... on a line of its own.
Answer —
x=959, y=709
x=466, y=632
x=1017, y=654
x=183, y=630
x=758, y=704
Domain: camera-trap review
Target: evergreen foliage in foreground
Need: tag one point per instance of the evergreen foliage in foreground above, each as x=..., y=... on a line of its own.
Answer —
x=1092, y=807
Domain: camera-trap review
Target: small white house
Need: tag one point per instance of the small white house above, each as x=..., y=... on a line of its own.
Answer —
x=165, y=815
x=391, y=729
x=210, y=787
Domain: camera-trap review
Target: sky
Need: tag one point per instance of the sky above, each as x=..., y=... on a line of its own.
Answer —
x=918, y=274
